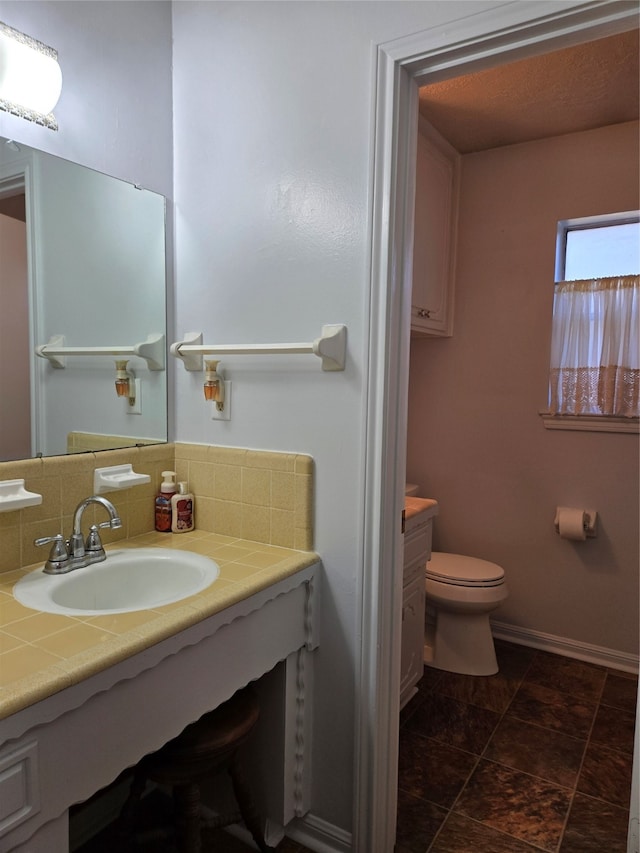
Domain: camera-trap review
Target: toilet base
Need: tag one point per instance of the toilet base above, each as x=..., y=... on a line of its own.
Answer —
x=462, y=644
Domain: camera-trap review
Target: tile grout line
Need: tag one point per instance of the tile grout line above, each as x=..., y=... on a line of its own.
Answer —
x=443, y=688
x=584, y=755
x=480, y=756
x=497, y=763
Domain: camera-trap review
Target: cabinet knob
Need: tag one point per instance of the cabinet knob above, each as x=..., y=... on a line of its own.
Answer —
x=423, y=312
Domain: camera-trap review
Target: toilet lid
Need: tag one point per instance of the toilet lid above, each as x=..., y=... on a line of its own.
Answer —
x=463, y=571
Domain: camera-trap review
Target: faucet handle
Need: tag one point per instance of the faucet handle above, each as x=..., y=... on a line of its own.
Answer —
x=113, y=523
x=93, y=545
x=58, y=556
x=59, y=545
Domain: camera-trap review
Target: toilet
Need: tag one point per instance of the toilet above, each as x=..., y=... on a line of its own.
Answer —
x=462, y=591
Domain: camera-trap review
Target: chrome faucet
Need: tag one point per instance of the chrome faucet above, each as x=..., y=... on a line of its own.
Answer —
x=76, y=552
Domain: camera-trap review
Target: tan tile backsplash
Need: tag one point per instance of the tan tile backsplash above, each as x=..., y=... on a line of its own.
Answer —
x=253, y=494
x=258, y=495
x=80, y=442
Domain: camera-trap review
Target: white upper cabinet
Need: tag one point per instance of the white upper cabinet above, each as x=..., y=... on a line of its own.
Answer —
x=435, y=227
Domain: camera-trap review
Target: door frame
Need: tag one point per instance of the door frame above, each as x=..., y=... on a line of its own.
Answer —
x=511, y=31
x=20, y=173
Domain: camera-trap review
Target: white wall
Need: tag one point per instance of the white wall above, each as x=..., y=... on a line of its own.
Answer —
x=273, y=127
x=114, y=113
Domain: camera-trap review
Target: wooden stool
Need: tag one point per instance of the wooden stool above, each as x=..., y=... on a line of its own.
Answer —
x=204, y=748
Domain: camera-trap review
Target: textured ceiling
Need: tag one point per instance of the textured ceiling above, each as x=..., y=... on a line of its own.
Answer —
x=578, y=88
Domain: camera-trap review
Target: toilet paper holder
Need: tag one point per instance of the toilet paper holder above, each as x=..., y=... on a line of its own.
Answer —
x=590, y=517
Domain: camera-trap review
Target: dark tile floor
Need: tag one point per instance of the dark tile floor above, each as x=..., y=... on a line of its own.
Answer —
x=537, y=757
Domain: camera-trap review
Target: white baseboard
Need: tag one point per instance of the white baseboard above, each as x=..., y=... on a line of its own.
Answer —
x=311, y=831
x=563, y=646
x=319, y=835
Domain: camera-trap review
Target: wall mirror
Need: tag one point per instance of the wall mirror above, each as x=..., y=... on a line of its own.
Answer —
x=82, y=285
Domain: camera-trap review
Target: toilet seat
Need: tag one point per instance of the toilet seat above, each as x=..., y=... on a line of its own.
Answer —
x=459, y=570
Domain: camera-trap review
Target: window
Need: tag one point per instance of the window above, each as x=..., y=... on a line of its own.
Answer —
x=598, y=246
x=595, y=350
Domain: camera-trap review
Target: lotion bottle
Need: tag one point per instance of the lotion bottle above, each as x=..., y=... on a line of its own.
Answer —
x=182, y=517
x=163, y=501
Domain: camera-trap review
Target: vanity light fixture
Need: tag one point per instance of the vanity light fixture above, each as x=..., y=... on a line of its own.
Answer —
x=125, y=382
x=214, y=384
x=30, y=77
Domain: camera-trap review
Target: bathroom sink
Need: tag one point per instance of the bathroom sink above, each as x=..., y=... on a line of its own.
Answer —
x=129, y=579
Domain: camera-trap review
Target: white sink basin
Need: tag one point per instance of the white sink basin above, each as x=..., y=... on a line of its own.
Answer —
x=129, y=579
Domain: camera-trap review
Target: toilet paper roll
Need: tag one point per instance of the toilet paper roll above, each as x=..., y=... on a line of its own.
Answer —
x=571, y=523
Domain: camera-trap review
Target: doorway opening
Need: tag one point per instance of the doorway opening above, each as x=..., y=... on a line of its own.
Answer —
x=15, y=383
x=404, y=66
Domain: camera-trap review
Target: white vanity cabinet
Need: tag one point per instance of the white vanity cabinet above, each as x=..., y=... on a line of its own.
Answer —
x=435, y=228
x=417, y=550
x=61, y=750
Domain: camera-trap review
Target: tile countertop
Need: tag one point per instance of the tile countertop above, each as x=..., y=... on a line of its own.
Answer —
x=415, y=506
x=43, y=653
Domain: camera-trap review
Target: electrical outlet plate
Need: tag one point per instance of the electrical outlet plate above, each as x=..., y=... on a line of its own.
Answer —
x=225, y=414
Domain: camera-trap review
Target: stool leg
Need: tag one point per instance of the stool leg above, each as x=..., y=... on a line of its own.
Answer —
x=245, y=801
x=187, y=806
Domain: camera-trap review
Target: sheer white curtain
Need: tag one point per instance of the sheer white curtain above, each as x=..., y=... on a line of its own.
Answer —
x=595, y=347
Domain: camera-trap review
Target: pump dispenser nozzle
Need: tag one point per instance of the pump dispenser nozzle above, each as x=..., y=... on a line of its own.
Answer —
x=168, y=484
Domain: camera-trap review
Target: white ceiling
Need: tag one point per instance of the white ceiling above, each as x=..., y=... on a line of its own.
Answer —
x=579, y=88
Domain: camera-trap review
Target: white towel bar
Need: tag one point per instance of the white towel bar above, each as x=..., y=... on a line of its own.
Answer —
x=152, y=350
x=331, y=347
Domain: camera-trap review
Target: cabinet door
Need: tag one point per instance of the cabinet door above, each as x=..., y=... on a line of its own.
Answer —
x=411, y=661
x=417, y=550
x=435, y=226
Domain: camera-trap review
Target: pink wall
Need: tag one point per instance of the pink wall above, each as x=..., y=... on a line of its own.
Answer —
x=476, y=441
x=15, y=406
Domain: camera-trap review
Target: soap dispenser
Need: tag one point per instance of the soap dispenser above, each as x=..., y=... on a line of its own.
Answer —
x=182, y=519
x=163, y=501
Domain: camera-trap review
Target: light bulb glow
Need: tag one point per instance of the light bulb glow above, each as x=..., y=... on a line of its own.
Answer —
x=30, y=77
